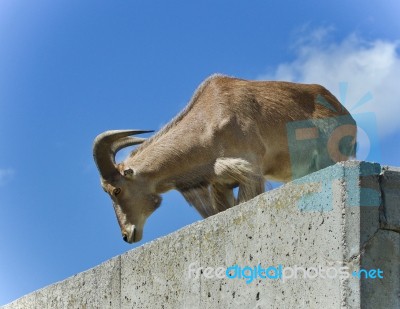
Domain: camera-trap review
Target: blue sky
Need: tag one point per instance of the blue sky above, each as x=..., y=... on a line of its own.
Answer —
x=72, y=69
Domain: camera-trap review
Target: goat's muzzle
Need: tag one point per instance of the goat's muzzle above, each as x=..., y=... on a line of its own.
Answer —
x=131, y=236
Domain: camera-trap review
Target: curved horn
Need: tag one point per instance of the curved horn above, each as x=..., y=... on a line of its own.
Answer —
x=107, y=144
x=126, y=142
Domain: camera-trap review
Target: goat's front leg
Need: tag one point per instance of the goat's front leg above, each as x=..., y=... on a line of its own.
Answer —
x=222, y=197
x=250, y=189
x=238, y=170
x=199, y=198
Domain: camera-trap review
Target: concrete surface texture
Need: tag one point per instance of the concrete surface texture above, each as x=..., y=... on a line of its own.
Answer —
x=328, y=240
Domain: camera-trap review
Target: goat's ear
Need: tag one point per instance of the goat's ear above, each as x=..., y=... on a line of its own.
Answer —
x=129, y=172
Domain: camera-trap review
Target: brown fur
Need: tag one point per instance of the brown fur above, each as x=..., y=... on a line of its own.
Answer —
x=233, y=133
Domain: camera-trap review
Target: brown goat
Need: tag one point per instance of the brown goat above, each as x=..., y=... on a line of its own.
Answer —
x=233, y=133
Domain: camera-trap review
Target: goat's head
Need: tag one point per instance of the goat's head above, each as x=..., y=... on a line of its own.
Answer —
x=132, y=197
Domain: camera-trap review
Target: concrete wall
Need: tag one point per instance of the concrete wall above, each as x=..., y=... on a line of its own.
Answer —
x=347, y=215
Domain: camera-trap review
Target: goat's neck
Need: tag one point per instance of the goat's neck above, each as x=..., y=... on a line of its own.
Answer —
x=167, y=167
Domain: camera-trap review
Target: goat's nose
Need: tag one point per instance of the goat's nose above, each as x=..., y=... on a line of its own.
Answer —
x=125, y=237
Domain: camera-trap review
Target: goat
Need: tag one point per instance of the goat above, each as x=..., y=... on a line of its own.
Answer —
x=233, y=133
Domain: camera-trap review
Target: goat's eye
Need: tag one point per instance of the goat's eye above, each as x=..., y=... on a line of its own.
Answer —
x=128, y=172
x=116, y=191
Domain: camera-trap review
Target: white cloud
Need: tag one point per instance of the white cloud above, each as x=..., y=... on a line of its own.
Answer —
x=6, y=175
x=366, y=66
